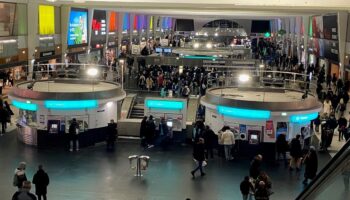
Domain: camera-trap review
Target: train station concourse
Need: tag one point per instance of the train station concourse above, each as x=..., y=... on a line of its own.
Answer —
x=174, y=100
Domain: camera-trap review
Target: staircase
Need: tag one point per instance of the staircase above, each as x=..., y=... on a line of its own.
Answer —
x=137, y=111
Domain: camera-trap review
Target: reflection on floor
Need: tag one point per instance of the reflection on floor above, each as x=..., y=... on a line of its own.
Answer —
x=94, y=174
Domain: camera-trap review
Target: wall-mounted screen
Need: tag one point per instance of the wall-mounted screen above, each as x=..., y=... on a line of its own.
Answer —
x=260, y=26
x=78, y=27
x=184, y=25
x=46, y=20
x=330, y=27
x=99, y=28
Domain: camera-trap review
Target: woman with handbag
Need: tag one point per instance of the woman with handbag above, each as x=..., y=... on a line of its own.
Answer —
x=199, y=156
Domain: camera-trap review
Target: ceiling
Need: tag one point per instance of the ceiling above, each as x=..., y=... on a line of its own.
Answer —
x=214, y=8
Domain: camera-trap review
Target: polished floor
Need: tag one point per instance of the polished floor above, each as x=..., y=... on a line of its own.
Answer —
x=94, y=174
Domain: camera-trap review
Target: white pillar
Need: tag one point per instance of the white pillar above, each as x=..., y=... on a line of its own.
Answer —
x=342, y=29
x=306, y=23
x=33, y=26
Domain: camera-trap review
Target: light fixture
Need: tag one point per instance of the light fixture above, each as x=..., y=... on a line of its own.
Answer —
x=284, y=114
x=23, y=52
x=261, y=66
x=244, y=78
x=109, y=104
x=209, y=45
x=92, y=72
x=46, y=38
x=216, y=34
x=7, y=41
x=36, y=50
x=181, y=69
x=196, y=45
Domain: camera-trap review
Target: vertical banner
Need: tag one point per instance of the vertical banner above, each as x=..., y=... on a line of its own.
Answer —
x=269, y=135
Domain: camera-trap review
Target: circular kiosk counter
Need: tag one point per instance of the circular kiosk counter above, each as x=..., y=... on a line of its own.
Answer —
x=47, y=107
x=258, y=115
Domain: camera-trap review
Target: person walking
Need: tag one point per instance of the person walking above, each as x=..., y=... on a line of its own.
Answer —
x=228, y=140
x=210, y=139
x=41, y=181
x=24, y=193
x=150, y=133
x=282, y=147
x=143, y=132
x=20, y=175
x=112, y=134
x=311, y=163
x=327, y=107
x=4, y=115
x=74, y=135
x=9, y=111
x=342, y=122
x=295, y=153
x=340, y=108
x=246, y=186
x=255, y=165
x=149, y=83
x=198, y=155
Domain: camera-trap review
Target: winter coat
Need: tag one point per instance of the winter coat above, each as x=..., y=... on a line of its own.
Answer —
x=295, y=148
x=245, y=187
x=254, y=169
x=23, y=195
x=281, y=144
x=198, y=152
x=112, y=132
x=73, y=130
x=149, y=83
x=19, y=178
x=227, y=138
x=327, y=106
x=143, y=128
x=41, y=181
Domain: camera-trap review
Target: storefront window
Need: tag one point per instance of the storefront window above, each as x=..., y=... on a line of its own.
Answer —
x=27, y=118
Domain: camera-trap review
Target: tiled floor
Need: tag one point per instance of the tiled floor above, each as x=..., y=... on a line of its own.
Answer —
x=95, y=174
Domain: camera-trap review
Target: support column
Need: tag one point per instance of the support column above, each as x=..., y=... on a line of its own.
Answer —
x=306, y=23
x=342, y=29
x=33, y=26
x=298, y=35
x=64, y=30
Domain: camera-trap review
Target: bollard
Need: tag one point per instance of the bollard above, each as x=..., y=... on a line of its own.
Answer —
x=141, y=163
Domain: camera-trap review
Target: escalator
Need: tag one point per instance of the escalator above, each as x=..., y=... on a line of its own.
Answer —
x=332, y=182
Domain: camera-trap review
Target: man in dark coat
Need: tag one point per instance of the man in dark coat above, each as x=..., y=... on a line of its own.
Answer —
x=210, y=138
x=255, y=165
x=151, y=128
x=246, y=186
x=311, y=164
x=295, y=153
x=112, y=133
x=73, y=135
x=282, y=147
x=143, y=132
x=41, y=181
x=4, y=115
x=198, y=155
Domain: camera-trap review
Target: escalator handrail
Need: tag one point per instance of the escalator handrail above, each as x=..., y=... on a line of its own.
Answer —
x=317, y=180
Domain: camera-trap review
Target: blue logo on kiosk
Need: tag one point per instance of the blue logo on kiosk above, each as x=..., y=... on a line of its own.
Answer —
x=244, y=113
x=303, y=117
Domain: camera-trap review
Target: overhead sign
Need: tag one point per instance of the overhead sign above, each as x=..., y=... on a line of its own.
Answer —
x=77, y=29
x=99, y=28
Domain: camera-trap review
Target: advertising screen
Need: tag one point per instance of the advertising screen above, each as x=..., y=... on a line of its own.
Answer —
x=77, y=28
x=331, y=50
x=46, y=20
x=99, y=28
x=330, y=27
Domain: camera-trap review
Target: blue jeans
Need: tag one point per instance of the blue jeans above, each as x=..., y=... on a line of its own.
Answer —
x=199, y=167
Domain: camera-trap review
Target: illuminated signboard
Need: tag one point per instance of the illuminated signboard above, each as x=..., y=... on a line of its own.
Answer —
x=46, y=20
x=126, y=22
x=99, y=29
x=77, y=28
x=25, y=105
x=244, y=113
x=164, y=104
x=302, y=118
x=70, y=105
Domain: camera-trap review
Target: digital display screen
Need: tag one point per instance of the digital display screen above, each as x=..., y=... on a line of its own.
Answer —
x=46, y=20
x=78, y=27
x=167, y=50
x=170, y=124
x=99, y=28
x=159, y=50
x=253, y=137
x=113, y=21
x=53, y=125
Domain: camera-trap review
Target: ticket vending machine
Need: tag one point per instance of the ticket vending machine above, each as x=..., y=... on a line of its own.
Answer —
x=254, y=137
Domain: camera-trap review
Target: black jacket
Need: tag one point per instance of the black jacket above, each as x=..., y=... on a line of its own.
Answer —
x=73, y=130
x=245, y=187
x=143, y=128
x=281, y=144
x=295, y=148
x=41, y=181
x=311, y=164
x=198, y=152
x=254, y=169
x=112, y=132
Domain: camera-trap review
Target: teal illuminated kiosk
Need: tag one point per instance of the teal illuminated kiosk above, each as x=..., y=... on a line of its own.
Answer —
x=46, y=110
x=258, y=115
